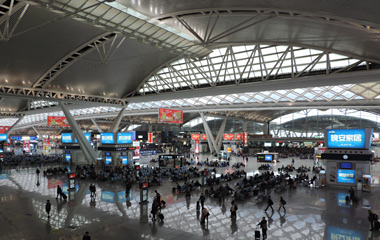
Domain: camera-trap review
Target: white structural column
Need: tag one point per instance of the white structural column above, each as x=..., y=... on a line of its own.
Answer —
x=219, y=138
x=96, y=125
x=38, y=133
x=266, y=127
x=14, y=125
x=245, y=126
x=116, y=122
x=87, y=150
x=208, y=132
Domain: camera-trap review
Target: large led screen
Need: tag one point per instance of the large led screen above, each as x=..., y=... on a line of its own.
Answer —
x=124, y=138
x=107, y=138
x=66, y=137
x=268, y=157
x=346, y=138
x=346, y=176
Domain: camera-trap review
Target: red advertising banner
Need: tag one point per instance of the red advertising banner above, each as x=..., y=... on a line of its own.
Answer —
x=204, y=137
x=238, y=136
x=196, y=149
x=150, y=137
x=229, y=136
x=57, y=121
x=245, y=139
x=196, y=136
x=4, y=129
x=170, y=116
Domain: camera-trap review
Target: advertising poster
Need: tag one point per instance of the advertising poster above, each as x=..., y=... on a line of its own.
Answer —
x=124, y=138
x=346, y=176
x=229, y=136
x=245, y=139
x=196, y=149
x=3, y=137
x=26, y=146
x=57, y=121
x=136, y=153
x=170, y=116
x=107, y=138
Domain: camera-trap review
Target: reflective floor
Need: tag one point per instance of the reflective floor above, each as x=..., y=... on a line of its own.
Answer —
x=311, y=213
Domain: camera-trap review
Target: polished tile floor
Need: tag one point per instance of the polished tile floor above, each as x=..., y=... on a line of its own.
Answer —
x=311, y=213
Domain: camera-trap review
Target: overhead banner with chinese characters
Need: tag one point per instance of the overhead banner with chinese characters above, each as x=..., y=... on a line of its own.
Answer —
x=57, y=121
x=170, y=116
x=245, y=139
x=150, y=137
x=229, y=136
x=4, y=129
x=204, y=137
x=348, y=138
x=238, y=136
x=196, y=136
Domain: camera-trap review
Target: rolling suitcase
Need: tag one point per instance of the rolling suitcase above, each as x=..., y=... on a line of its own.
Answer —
x=257, y=234
x=377, y=225
x=161, y=216
x=64, y=196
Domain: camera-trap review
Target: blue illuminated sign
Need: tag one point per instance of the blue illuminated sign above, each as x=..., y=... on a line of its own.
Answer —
x=107, y=138
x=66, y=137
x=268, y=158
x=124, y=159
x=346, y=176
x=108, y=197
x=124, y=138
x=148, y=152
x=3, y=137
x=108, y=160
x=346, y=138
x=68, y=157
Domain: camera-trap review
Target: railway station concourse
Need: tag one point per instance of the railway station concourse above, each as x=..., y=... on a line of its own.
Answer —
x=285, y=70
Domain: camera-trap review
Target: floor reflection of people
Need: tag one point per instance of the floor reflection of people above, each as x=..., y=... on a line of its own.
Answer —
x=129, y=204
x=234, y=226
x=224, y=209
x=282, y=218
x=188, y=203
x=270, y=219
x=92, y=203
x=154, y=229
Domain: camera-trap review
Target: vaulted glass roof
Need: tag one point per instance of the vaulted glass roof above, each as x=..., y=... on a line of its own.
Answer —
x=247, y=63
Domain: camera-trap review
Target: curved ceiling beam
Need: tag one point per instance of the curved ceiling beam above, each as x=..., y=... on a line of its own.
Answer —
x=8, y=8
x=356, y=24
x=50, y=75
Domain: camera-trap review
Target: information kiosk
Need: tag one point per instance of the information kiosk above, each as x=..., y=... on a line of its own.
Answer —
x=117, y=148
x=348, y=157
x=171, y=161
x=72, y=152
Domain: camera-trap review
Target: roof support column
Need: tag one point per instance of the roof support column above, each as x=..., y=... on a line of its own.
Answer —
x=116, y=122
x=219, y=138
x=245, y=126
x=266, y=127
x=14, y=125
x=87, y=150
x=208, y=133
x=38, y=133
x=96, y=125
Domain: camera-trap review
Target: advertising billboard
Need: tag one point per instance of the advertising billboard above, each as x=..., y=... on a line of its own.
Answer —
x=124, y=138
x=68, y=157
x=238, y=136
x=170, y=116
x=196, y=136
x=229, y=136
x=57, y=121
x=4, y=129
x=204, y=137
x=347, y=138
x=150, y=137
x=3, y=137
x=107, y=138
x=67, y=137
x=124, y=160
x=346, y=176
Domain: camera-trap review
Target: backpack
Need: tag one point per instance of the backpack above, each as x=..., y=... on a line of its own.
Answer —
x=270, y=202
x=283, y=202
x=236, y=208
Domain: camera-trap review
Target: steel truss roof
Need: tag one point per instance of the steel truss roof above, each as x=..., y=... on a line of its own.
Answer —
x=112, y=19
x=234, y=65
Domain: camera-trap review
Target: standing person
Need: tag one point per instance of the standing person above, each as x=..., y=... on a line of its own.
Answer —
x=158, y=199
x=86, y=236
x=38, y=174
x=59, y=192
x=204, y=216
x=371, y=218
x=282, y=204
x=233, y=210
x=154, y=209
x=202, y=200
x=264, y=227
x=270, y=204
x=48, y=208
